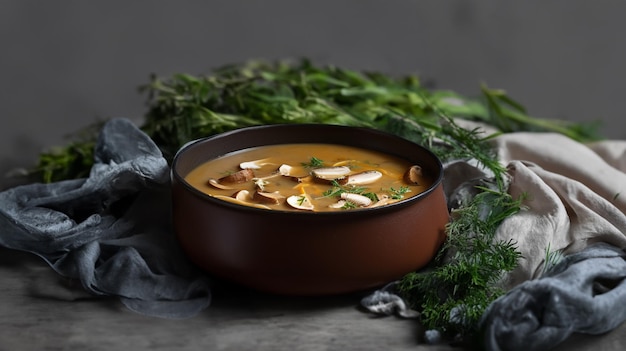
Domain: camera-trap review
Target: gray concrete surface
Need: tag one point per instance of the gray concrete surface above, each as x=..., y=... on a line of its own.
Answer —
x=40, y=311
x=64, y=64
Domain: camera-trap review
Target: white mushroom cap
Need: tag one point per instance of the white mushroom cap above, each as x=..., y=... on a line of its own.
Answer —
x=357, y=199
x=256, y=164
x=330, y=173
x=301, y=202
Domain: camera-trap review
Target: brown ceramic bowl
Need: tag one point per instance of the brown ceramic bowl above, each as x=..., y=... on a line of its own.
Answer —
x=307, y=253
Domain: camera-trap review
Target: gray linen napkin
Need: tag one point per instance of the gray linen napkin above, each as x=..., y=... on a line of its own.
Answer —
x=112, y=230
x=584, y=293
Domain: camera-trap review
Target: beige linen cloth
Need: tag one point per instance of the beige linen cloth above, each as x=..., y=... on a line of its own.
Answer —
x=575, y=196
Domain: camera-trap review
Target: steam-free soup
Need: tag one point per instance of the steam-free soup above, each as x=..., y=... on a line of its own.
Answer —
x=309, y=177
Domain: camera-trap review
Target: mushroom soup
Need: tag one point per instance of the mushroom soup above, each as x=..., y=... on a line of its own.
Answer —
x=309, y=177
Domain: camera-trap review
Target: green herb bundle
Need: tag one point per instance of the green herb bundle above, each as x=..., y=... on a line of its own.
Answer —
x=185, y=107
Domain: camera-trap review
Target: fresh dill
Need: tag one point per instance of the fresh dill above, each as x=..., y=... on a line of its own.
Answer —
x=399, y=193
x=348, y=205
x=301, y=200
x=371, y=195
x=314, y=162
x=336, y=190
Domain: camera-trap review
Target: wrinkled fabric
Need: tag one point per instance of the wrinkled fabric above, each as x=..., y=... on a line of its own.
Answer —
x=584, y=293
x=572, y=199
x=112, y=230
x=574, y=205
x=387, y=302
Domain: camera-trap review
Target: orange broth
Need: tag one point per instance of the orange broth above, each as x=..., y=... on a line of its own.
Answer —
x=323, y=195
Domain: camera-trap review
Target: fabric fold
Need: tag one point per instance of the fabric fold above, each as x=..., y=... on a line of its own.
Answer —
x=112, y=230
x=584, y=293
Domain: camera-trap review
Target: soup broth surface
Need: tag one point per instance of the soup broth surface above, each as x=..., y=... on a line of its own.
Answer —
x=309, y=177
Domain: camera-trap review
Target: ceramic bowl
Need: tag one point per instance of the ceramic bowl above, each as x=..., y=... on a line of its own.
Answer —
x=307, y=253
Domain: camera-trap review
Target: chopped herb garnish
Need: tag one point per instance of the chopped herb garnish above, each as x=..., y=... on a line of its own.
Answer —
x=348, y=205
x=314, y=162
x=371, y=196
x=301, y=200
x=398, y=194
x=336, y=190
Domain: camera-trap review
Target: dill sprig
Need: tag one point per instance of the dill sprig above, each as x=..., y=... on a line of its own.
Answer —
x=314, y=162
x=463, y=279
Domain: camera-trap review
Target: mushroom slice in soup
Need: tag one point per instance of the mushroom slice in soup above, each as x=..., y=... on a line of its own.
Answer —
x=217, y=184
x=242, y=195
x=273, y=198
x=413, y=175
x=238, y=177
x=256, y=164
x=239, y=202
x=357, y=199
x=293, y=172
x=362, y=178
x=383, y=199
x=338, y=204
x=330, y=173
x=301, y=202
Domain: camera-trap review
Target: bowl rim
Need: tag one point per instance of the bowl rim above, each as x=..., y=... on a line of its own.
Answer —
x=175, y=175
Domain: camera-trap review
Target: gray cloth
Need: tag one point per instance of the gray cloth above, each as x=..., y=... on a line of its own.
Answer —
x=584, y=293
x=112, y=230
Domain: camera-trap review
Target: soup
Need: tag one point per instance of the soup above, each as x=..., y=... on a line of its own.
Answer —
x=309, y=177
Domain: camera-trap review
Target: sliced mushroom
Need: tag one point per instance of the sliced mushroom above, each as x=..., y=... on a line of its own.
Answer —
x=285, y=170
x=363, y=178
x=357, y=199
x=297, y=174
x=256, y=164
x=413, y=175
x=242, y=195
x=383, y=199
x=238, y=177
x=301, y=202
x=273, y=198
x=239, y=202
x=330, y=173
x=338, y=204
x=217, y=184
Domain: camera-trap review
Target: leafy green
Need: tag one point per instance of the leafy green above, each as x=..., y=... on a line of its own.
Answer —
x=313, y=163
x=398, y=194
x=185, y=107
x=464, y=276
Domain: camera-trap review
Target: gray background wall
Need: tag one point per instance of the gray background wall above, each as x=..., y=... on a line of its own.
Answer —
x=65, y=63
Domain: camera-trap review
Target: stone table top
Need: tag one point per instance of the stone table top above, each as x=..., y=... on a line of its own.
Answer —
x=39, y=310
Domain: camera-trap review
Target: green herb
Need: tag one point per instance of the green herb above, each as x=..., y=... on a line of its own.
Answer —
x=336, y=190
x=185, y=107
x=398, y=194
x=348, y=205
x=372, y=196
x=551, y=259
x=301, y=200
x=462, y=280
x=314, y=162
